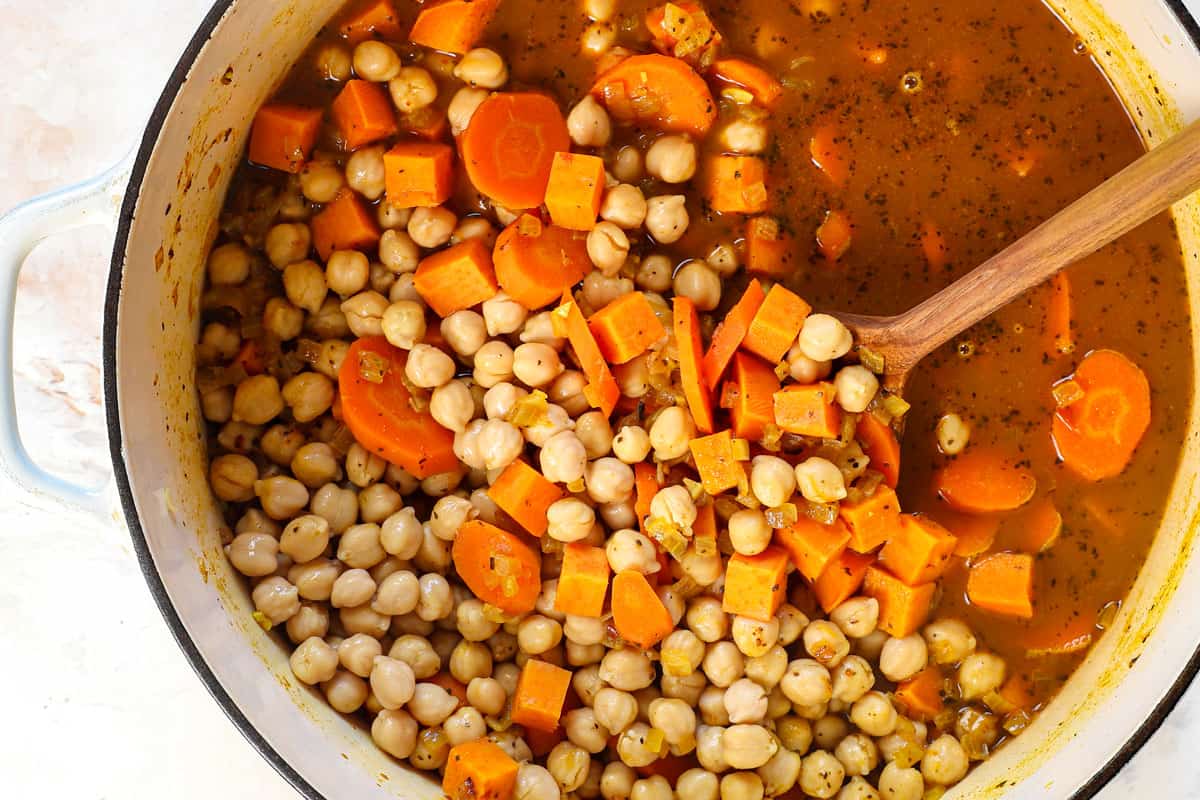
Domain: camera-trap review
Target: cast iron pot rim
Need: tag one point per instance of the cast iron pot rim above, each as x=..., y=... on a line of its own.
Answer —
x=154, y=580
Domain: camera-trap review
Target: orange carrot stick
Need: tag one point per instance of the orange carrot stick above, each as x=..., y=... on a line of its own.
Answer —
x=1058, y=317
x=497, y=566
x=983, y=481
x=879, y=442
x=379, y=414
x=638, y=613
x=749, y=76
x=645, y=486
x=1096, y=436
x=753, y=404
x=730, y=332
x=687, y=342
x=525, y=495
x=602, y=391
x=834, y=235
x=828, y=152
x=508, y=149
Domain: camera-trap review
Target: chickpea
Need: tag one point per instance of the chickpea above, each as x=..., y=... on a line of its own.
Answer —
x=397, y=594
x=953, y=433
x=949, y=641
x=825, y=642
x=314, y=661
x=287, y=243
x=627, y=165
x=616, y=781
x=431, y=227
x=400, y=534
x=358, y=652
x=538, y=634
x=463, y=106
x=503, y=315
x=281, y=497
x=655, y=273
x=710, y=748
x=276, y=599
x=309, y=395
x=857, y=617
x=874, y=714
x=753, y=637
x=428, y=367
x=670, y=433
x=807, y=683
x=431, y=704
x=418, y=653
x=535, y=365
x=465, y=331
x=856, y=387
x=320, y=181
x=706, y=619
x=412, y=89
x=627, y=670
x=452, y=406
x=436, y=601
x=493, y=364
x=858, y=754
x=672, y=159
x=364, y=313
x=535, y=783
x=624, y=205
x=399, y=252
x=723, y=664
x=314, y=580
x=345, y=691
x=609, y=480
x=824, y=338
x=487, y=695
x=748, y=746
x=376, y=61
x=903, y=658
x=475, y=227
x=470, y=660
x=599, y=289
x=365, y=172
x=584, y=731
x=745, y=702
x=229, y=264
x=282, y=319
x=781, y=772
x=328, y=322
x=217, y=404
x=608, y=248
x=615, y=709
x=233, y=478
x=569, y=764
x=631, y=444
x=945, y=762
x=482, y=67
x=852, y=679
x=466, y=725
x=403, y=324
x=254, y=554
x=749, y=531
x=667, y=218
x=820, y=481
x=900, y=783
x=745, y=136
x=569, y=520
x=281, y=443
x=698, y=282
x=632, y=748
x=304, y=284
x=442, y=483
x=979, y=674
x=821, y=775
x=360, y=546
x=392, y=217
x=767, y=670
x=871, y=645
x=857, y=788
x=499, y=444
x=772, y=480
x=598, y=38
x=257, y=400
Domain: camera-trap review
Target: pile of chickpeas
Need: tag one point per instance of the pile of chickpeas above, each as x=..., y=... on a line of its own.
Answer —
x=350, y=556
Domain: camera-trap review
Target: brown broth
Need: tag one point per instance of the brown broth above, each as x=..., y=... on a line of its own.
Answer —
x=1001, y=83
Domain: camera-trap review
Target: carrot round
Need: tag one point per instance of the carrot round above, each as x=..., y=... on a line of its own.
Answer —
x=984, y=481
x=498, y=567
x=1003, y=584
x=659, y=92
x=638, y=613
x=535, y=262
x=687, y=342
x=508, y=149
x=380, y=416
x=828, y=153
x=749, y=76
x=1097, y=434
x=880, y=444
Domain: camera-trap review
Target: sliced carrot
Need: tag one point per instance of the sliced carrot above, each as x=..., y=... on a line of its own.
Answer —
x=753, y=406
x=535, y=263
x=283, y=136
x=834, y=235
x=1097, y=435
x=645, y=486
x=575, y=190
x=624, y=328
x=756, y=585
x=776, y=324
x=1062, y=637
x=841, y=579
x=919, y=551
x=453, y=26
x=973, y=533
x=920, y=696
x=749, y=76
x=602, y=391
x=769, y=249
x=497, y=566
x=933, y=245
x=364, y=113
x=1058, y=317
x=1002, y=583
x=658, y=92
x=638, y=613
x=983, y=481
x=736, y=184
x=879, y=442
x=419, y=174
x=583, y=582
x=687, y=342
x=479, y=770
x=715, y=461
x=540, y=695
x=903, y=609
x=730, y=332
x=508, y=149
x=828, y=152
x=380, y=415
x=525, y=495
x=344, y=224
x=376, y=21
x=458, y=277
x=1035, y=529
x=813, y=546
x=808, y=410
x=872, y=521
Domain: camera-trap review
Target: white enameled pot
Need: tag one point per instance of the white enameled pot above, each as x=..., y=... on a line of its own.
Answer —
x=176, y=184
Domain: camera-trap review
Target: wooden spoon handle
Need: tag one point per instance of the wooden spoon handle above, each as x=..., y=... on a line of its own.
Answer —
x=1146, y=187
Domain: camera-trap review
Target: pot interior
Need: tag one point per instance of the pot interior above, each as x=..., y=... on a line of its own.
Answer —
x=190, y=153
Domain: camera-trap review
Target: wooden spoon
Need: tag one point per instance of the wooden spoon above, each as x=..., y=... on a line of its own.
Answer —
x=1146, y=187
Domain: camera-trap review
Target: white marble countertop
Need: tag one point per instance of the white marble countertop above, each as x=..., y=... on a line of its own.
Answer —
x=105, y=705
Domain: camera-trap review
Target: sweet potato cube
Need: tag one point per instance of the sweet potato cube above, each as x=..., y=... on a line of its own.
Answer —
x=809, y=410
x=524, y=494
x=756, y=585
x=541, y=691
x=344, y=224
x=715, y=461
x=872, y=521
x=751, y=406
x=736, y=184
x=813, y=546
x=456, y=278
x=624, y=328
x=769, y=249
x=841, y=579
x=377, y=21
x=479, y=770
x=919, y=551
x=903, y=609
x=776, y=324
x=1003, y=584
x=364, y=113
x=419, y=174
x=921, y=695
x=575, y=190
x=583, y=582
x=283, y=136
x=453, y=26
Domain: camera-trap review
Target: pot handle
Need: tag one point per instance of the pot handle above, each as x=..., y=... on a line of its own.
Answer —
x=94, y=202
